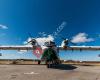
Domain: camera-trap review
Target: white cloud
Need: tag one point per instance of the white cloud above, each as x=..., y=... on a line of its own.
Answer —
x=3, y=26
x=81, y=38
x=28, y=40
x=41, y=40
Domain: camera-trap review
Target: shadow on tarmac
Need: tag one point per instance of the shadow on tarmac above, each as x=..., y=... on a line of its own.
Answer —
x=63, y=67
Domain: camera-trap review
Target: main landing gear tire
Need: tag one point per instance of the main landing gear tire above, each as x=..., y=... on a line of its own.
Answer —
x=48, y=65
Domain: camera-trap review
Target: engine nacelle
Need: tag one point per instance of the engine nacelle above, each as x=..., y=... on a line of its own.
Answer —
x=49, y=44
x=64, y=43
x=33, y=42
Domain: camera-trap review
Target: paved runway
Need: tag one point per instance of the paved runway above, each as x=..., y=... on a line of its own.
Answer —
x=40, y=72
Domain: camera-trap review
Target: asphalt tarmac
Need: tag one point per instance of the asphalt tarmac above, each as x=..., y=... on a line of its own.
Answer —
x=41, y=72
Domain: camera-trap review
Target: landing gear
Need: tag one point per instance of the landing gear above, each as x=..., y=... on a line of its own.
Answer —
x=52, y=64
x=48, y=65
x=39, y=62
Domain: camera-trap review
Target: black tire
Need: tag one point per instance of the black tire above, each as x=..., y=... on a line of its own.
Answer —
x=47, y=65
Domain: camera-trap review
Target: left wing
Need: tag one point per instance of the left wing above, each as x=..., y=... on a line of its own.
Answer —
x=17, y=47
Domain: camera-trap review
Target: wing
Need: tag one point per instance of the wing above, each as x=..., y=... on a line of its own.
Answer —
x=80, y=48
x=19, y=47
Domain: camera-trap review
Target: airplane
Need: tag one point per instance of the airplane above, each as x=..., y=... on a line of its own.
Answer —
x=49, y=51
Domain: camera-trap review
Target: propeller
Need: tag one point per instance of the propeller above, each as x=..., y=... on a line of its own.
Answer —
x=37, y=50
x=67, y=41
x=31, y=40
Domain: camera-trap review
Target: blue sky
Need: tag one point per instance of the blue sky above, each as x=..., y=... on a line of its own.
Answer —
x=34, y=16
